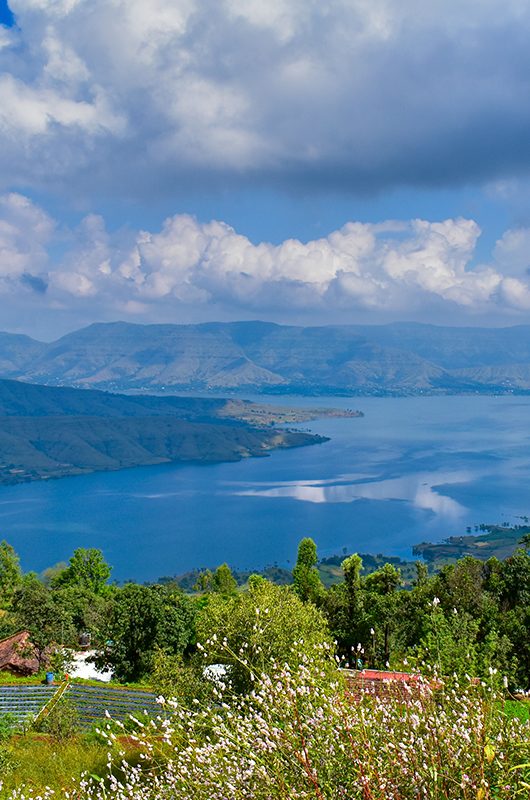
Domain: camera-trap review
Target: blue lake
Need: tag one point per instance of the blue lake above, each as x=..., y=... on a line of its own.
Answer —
x=412, y=469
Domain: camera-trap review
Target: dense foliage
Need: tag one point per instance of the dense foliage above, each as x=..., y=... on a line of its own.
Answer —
x=300, y=734
x=259, y=709
x=470, y=616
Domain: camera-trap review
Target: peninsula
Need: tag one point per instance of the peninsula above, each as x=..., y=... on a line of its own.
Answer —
x=49, y=432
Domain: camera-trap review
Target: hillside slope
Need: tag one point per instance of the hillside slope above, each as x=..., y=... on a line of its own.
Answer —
x=400, y=358
x=52, y=432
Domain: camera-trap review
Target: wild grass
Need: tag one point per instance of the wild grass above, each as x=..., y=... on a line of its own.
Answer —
x=301, y=735
x=298, y=734
x=36, y=761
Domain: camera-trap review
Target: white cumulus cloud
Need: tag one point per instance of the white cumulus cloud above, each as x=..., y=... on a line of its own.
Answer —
x=25, y=233
x=398, y=269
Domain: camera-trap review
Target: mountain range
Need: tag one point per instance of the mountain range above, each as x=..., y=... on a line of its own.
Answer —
x=400, y=358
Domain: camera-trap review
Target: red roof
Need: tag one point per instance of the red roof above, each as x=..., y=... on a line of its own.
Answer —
x=381, y=675
x=17, y=654
x=384, y=683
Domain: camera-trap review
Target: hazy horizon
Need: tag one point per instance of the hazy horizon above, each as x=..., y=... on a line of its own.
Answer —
x=404, y=322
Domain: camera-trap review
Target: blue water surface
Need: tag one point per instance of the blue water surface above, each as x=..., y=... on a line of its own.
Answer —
x=411, y=469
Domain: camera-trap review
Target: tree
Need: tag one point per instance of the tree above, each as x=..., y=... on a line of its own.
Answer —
x=515, y=588
x=306, y=580
x=223, y=581
x=204, y=583
x=461, y=585
x=183, y=679
x=87, y=569
x=10, y=572
x=422, y=573
x=352, y=567
x=450, y=644
x=344, y=607
x=252, y=630
x=48, y=623
x=382, y=605
x=145, y=619
x=50, y=574
x=89, y=612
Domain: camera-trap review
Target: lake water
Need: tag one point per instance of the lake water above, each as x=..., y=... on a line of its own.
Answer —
x=412, y=469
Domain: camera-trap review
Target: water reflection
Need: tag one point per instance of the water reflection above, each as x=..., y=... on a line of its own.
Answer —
x=411, y=470
x=420, y=489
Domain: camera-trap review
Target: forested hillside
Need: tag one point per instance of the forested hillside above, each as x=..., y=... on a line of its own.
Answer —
x=50, y=432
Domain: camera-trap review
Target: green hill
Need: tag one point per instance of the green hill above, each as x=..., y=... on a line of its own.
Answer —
x=52, y=432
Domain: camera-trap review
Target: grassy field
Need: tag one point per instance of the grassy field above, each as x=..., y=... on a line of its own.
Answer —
x=37, y=761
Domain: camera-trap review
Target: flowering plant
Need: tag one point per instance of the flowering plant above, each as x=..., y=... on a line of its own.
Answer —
x=301, y=734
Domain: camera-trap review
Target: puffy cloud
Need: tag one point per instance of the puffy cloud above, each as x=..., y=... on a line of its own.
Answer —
x=395, y=268
x=25, y=233
x=512, y=252
x=348, y=93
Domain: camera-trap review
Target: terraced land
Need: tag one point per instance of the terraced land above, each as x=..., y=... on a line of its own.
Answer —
x=25, y=701
x=92, y=703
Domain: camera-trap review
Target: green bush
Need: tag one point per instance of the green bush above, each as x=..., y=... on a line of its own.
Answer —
x=62, y=722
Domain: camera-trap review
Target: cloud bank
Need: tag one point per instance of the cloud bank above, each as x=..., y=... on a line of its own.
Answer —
x=397, y=269
x=134, y=97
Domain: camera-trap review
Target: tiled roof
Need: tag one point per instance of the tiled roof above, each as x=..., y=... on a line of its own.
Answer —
x=382, y=683
x=16, y=654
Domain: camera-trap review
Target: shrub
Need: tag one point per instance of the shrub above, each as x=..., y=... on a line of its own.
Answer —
x=249, y=632
x=62, y=722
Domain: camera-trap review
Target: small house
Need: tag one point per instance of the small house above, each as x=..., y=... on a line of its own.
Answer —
x=386, y=684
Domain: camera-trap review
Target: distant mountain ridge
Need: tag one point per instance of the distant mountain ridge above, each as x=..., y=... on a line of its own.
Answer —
x=399, y=358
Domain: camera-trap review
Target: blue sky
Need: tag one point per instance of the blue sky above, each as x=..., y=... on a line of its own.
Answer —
x=188, y=160
x=6, y=16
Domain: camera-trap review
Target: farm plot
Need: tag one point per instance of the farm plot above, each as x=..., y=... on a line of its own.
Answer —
x=25, y=701
x=92, y=703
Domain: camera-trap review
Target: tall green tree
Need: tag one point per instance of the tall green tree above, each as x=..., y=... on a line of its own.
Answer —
x=87, y=569
x=88, y=612
x=223, y=581
x=343, y=605
x=306, y=579
x=352, y=567
x=10, y=572
x=48, y=623
x=143, y=620
x=382, y=605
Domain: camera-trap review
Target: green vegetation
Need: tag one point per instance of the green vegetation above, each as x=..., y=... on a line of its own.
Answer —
x=299, y=734
x=306, y=580
x=253, y=672
x=470, y=612
x=141, y=621
x=35, y=761
x=49, y=432
x=249, y=631
x=62, y=722
x=489, y=541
